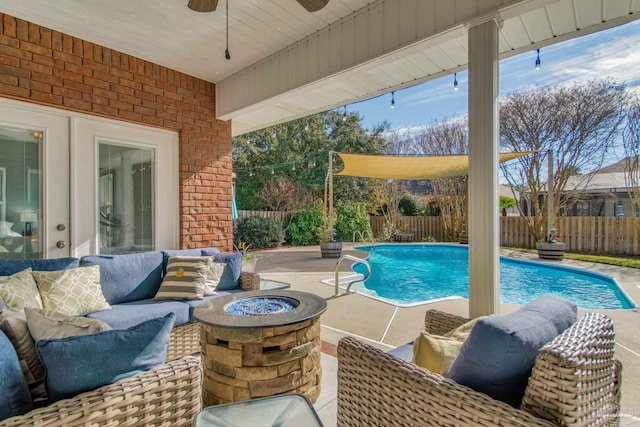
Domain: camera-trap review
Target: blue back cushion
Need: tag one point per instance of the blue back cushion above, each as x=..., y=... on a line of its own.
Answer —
x=497, y=357
x=231, y=275
x=14, y=393
x=128, y=277
x=128, y=314
x=86, y=362
x=12, y=266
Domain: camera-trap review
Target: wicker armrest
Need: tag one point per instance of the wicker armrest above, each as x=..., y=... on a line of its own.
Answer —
x=167, y=395
x=575, y=379
x=377, y=389
x=438, y=322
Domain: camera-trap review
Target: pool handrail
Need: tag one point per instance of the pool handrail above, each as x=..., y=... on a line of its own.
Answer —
x=352, y=258
x=362, y=238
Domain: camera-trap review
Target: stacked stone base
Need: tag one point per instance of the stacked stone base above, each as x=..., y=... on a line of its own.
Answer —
x=243, y=364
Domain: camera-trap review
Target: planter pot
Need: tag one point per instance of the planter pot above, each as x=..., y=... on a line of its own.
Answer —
x=554, y=251
x=331, y=249
x=463, y=239
x=249, y=265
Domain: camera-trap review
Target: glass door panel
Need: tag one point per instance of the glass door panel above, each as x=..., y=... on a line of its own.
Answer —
x=125, y=198
x=20, y=189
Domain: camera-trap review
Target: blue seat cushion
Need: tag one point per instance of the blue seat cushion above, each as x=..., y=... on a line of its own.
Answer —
x=194, y=303
x=497, y=357
x=231, y=274
x=82, y=363
x=14, y=393
x=12, y=266
x=127, y=314
x=128, y=277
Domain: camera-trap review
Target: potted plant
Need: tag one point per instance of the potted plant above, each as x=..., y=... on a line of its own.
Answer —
x=329, y=247
x=463, y=237
x=249, y=259
x=551, y=248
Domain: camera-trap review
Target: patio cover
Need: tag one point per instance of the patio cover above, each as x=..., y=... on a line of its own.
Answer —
x=410, y=167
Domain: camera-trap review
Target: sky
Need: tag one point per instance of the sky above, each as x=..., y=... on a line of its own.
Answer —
x=612, y=53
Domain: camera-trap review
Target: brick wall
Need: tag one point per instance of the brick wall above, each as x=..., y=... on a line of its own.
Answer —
x=47, y=67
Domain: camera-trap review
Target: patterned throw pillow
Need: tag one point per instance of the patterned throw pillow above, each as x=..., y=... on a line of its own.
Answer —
x=73, y=292
x=188, y=277
x=19, y=291
x=14, y=325
x=47, y=324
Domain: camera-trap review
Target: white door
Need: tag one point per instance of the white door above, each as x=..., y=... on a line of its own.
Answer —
x=125, y=186
x=34, y=182
x=73, y=184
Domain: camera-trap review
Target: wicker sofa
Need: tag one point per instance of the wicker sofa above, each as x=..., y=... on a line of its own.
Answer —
x=167, y=395
x=575, y=382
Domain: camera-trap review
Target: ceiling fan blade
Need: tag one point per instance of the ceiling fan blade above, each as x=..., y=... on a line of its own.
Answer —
x=313, y=5
x=203, y=5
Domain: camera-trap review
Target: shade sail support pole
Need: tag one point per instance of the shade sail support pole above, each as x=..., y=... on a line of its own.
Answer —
x=484, y=227
x=331, y=232
x=550, y=195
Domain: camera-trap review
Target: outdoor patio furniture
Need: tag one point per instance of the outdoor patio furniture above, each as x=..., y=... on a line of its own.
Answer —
x=167, y=395
x=575, y=381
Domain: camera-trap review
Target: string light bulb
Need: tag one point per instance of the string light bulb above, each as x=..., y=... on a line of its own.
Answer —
x=250, y=173
x=455, y=81
x=537, y=67
x=393, y=100
x=293, y=168
x=344, y=114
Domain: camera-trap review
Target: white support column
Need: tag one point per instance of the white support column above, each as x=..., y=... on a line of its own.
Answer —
x=484, y=245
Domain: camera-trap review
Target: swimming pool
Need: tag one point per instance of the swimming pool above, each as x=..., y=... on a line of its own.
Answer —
x=408, y=275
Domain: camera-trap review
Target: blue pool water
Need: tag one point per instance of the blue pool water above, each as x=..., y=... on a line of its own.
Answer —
x=414, y=274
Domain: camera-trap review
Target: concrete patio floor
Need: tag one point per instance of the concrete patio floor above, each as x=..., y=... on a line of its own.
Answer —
x=387, y=326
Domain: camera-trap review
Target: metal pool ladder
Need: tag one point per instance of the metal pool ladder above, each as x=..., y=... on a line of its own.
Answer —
x=362, y=235
x=352, y=258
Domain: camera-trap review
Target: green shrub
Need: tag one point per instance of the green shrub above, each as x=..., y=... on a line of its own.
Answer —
x=409, y=205
x=350, y=217
x=259, y=232
x=304, y=226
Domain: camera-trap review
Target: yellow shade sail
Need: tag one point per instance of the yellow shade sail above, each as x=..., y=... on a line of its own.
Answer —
x=410, y=167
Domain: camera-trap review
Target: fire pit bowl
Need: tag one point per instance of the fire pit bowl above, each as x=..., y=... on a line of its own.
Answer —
x=261, y=306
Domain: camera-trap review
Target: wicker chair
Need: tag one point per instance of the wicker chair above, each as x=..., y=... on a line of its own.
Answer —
x=168, y=395
x=575, y=382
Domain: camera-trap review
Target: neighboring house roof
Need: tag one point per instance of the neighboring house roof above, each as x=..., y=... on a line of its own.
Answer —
x=505, y=190
x=615, y=167
x=613, y=182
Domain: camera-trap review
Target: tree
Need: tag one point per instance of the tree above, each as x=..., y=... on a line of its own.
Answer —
x=450, y=194
x=631, y=139
x=578, y=122
x=282, y=195
x=298, y=150
x=506, y=203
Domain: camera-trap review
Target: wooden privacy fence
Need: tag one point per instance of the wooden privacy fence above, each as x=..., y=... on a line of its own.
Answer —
x=421, y=226
x=278, y=216
x=594, y=235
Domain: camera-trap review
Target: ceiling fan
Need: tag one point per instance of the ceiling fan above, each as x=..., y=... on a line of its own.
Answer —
x=210, y=5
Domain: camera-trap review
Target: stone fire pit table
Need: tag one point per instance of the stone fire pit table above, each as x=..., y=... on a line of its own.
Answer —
x=260, y=343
